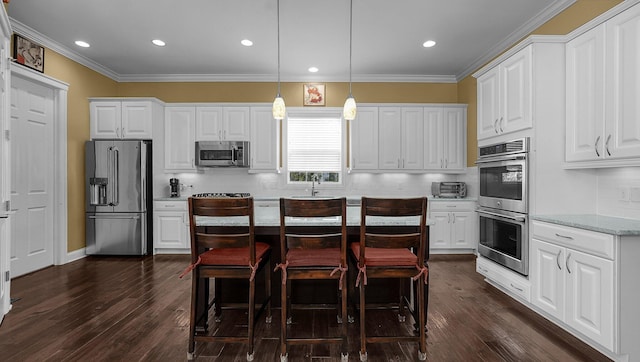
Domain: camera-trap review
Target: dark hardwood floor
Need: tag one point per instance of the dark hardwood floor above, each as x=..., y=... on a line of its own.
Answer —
x=132, y=309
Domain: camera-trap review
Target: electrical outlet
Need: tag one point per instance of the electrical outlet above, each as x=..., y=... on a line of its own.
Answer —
x=623, y=193
x=634, y=195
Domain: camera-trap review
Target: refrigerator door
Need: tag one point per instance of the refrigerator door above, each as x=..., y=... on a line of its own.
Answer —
x=116, y=233
x=98, y=176
x=129, y=162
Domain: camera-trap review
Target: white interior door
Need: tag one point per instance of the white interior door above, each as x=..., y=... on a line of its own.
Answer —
x=32, y=177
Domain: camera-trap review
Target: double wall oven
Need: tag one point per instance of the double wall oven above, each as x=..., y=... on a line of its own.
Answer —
x=503, y=204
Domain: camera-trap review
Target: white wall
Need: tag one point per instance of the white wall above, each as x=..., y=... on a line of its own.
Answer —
x=618, y=192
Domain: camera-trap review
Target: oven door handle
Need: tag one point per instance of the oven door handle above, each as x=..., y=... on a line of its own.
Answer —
x=516, y=218
x=501, y=158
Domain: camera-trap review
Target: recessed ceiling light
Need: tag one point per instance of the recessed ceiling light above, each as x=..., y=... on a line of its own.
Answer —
x=83, y=44
x=428, y=43
x=314, y=69
x=246, y=42
x=158, y=42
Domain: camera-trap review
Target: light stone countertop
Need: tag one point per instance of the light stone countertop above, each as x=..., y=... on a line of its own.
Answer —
x=599, y=223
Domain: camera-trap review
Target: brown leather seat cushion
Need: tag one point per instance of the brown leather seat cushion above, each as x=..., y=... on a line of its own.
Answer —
x=232, y=256
x=385, y=257
x=313, y=257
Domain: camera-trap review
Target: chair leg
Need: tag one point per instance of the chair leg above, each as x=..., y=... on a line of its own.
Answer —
x=344, y=303
x=267, y=290
x=420, y=290
x=252, y=308
x=217, y=292
x=363, y=334
x=402, y=287
x=283, y=320
x=193, y=316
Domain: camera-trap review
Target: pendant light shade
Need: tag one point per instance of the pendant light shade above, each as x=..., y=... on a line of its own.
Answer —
x=279, y=108
x=349, y=111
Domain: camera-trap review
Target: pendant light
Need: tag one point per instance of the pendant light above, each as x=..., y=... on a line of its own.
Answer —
x=279, y=108
x=349, y=111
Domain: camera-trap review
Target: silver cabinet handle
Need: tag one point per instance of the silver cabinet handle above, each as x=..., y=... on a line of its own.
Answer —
x=500, y=123
x=454, y=218
x=516, y=288
x=441, y=163
x=606, y=145
x=558, y=259
x=220, y=134
x=495, y=125
x=595, y=146
x=566, y=262
x=446, y=163
x=403, y=163
x=448, y=218
x=564, y=236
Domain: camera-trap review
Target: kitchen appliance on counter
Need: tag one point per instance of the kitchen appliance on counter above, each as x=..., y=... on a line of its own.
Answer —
x=118, y=176
x=503, y=204
x=174, y=187
x=453, y=190
x=222, y=154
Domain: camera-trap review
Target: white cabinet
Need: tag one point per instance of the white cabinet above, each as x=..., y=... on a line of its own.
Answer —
x=400, y=144
x=124, y=118
x=572, y=276
x=455, y=225
x=504, y=96
x=602, y=127
x=364, y=139
x=217, y=123
x=171, y=227
x=265, y=140
x=445, y=138
x=179, y=139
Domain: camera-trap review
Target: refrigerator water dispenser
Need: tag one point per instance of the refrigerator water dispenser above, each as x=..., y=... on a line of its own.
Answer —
x=98, y=190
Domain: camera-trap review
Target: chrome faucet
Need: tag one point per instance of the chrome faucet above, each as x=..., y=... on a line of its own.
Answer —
x=314, y=179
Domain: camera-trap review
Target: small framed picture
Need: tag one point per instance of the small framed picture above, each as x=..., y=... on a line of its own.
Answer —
x=313, y=95
x=28, y=53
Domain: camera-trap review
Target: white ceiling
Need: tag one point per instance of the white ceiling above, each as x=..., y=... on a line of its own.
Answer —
x=203, y=36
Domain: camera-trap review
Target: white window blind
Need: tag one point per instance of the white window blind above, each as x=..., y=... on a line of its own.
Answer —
x=314, y=144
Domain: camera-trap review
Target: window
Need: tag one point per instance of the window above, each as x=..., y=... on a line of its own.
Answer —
x=314, y=148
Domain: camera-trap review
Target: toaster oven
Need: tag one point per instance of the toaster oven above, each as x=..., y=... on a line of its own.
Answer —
x=451, y=189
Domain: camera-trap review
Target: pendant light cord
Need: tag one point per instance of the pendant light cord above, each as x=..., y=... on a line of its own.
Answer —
x=350, y=42
x=278, y=17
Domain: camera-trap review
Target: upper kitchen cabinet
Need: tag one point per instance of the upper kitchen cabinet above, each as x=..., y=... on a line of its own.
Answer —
x=602, y=116
x=179, y=139
x=504, y=96
x=364, y=139
x=217, y=123
x=264, y=144
x=400, y=144
x=445, y=138
x=123, y=118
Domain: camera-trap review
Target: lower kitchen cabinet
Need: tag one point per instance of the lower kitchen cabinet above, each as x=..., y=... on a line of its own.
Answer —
x=171, y=227
x=576, y=280
x=455, y=227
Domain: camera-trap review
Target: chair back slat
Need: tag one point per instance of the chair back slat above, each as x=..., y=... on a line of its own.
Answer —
x=392, y=240
x=221, y=207
x=393, y=207
x=313, y=241
x=312, y=207
x=211, y=241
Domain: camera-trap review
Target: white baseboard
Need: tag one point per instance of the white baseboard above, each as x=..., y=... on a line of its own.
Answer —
x=75, y=255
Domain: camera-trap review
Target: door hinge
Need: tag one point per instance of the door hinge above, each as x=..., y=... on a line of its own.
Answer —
x=7, y=205
x=7, y=134
x=7, y=276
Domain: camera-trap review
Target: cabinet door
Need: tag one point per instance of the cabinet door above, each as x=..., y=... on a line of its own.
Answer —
x=364, y=139
x=454, y=145
x=585, y=94
x=236, y=123
x=105, y=119
x=264, y=140
x=208, y=123
x=389, y=128
x=136, y=120
x=170, y=231
x=548, y=277
x=590, y=298
x=433, y=138
x=412, y=138
x=179, y=138
x=463, y=230
x=488, y=104
x=622, y=134
x=440, y=231
x=515, y=92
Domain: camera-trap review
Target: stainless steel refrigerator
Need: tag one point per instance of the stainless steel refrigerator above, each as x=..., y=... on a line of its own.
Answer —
x=118, y=197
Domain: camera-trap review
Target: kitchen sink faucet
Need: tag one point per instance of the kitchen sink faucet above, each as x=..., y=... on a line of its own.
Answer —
x=314, y=179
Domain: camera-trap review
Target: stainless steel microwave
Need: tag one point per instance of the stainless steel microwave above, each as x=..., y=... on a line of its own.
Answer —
x=222, y=154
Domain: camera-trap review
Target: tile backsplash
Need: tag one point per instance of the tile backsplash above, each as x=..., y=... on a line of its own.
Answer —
x=619, y=192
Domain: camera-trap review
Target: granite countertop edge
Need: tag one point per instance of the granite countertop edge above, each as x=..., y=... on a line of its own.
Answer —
x=600, y=223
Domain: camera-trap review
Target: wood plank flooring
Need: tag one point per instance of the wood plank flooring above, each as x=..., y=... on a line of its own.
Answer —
x=133, y=309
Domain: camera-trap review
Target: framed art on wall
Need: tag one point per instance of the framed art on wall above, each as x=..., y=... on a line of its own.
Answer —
x=313, y=95
x=28, y=53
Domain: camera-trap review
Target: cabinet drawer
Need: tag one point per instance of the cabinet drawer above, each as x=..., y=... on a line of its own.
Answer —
x=437, y=205
x=512, y=282
x=178, y=205
x=590, y=242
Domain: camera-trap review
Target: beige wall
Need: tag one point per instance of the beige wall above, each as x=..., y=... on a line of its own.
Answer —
x=85, y=83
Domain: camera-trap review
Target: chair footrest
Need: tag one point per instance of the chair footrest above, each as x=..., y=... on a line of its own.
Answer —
x=311, y=340
x=224, y=339
x=386, y=339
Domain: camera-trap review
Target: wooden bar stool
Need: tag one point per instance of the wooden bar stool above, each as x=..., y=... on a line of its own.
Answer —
x=319, y=253
x=385, y=254
x=224, y=252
